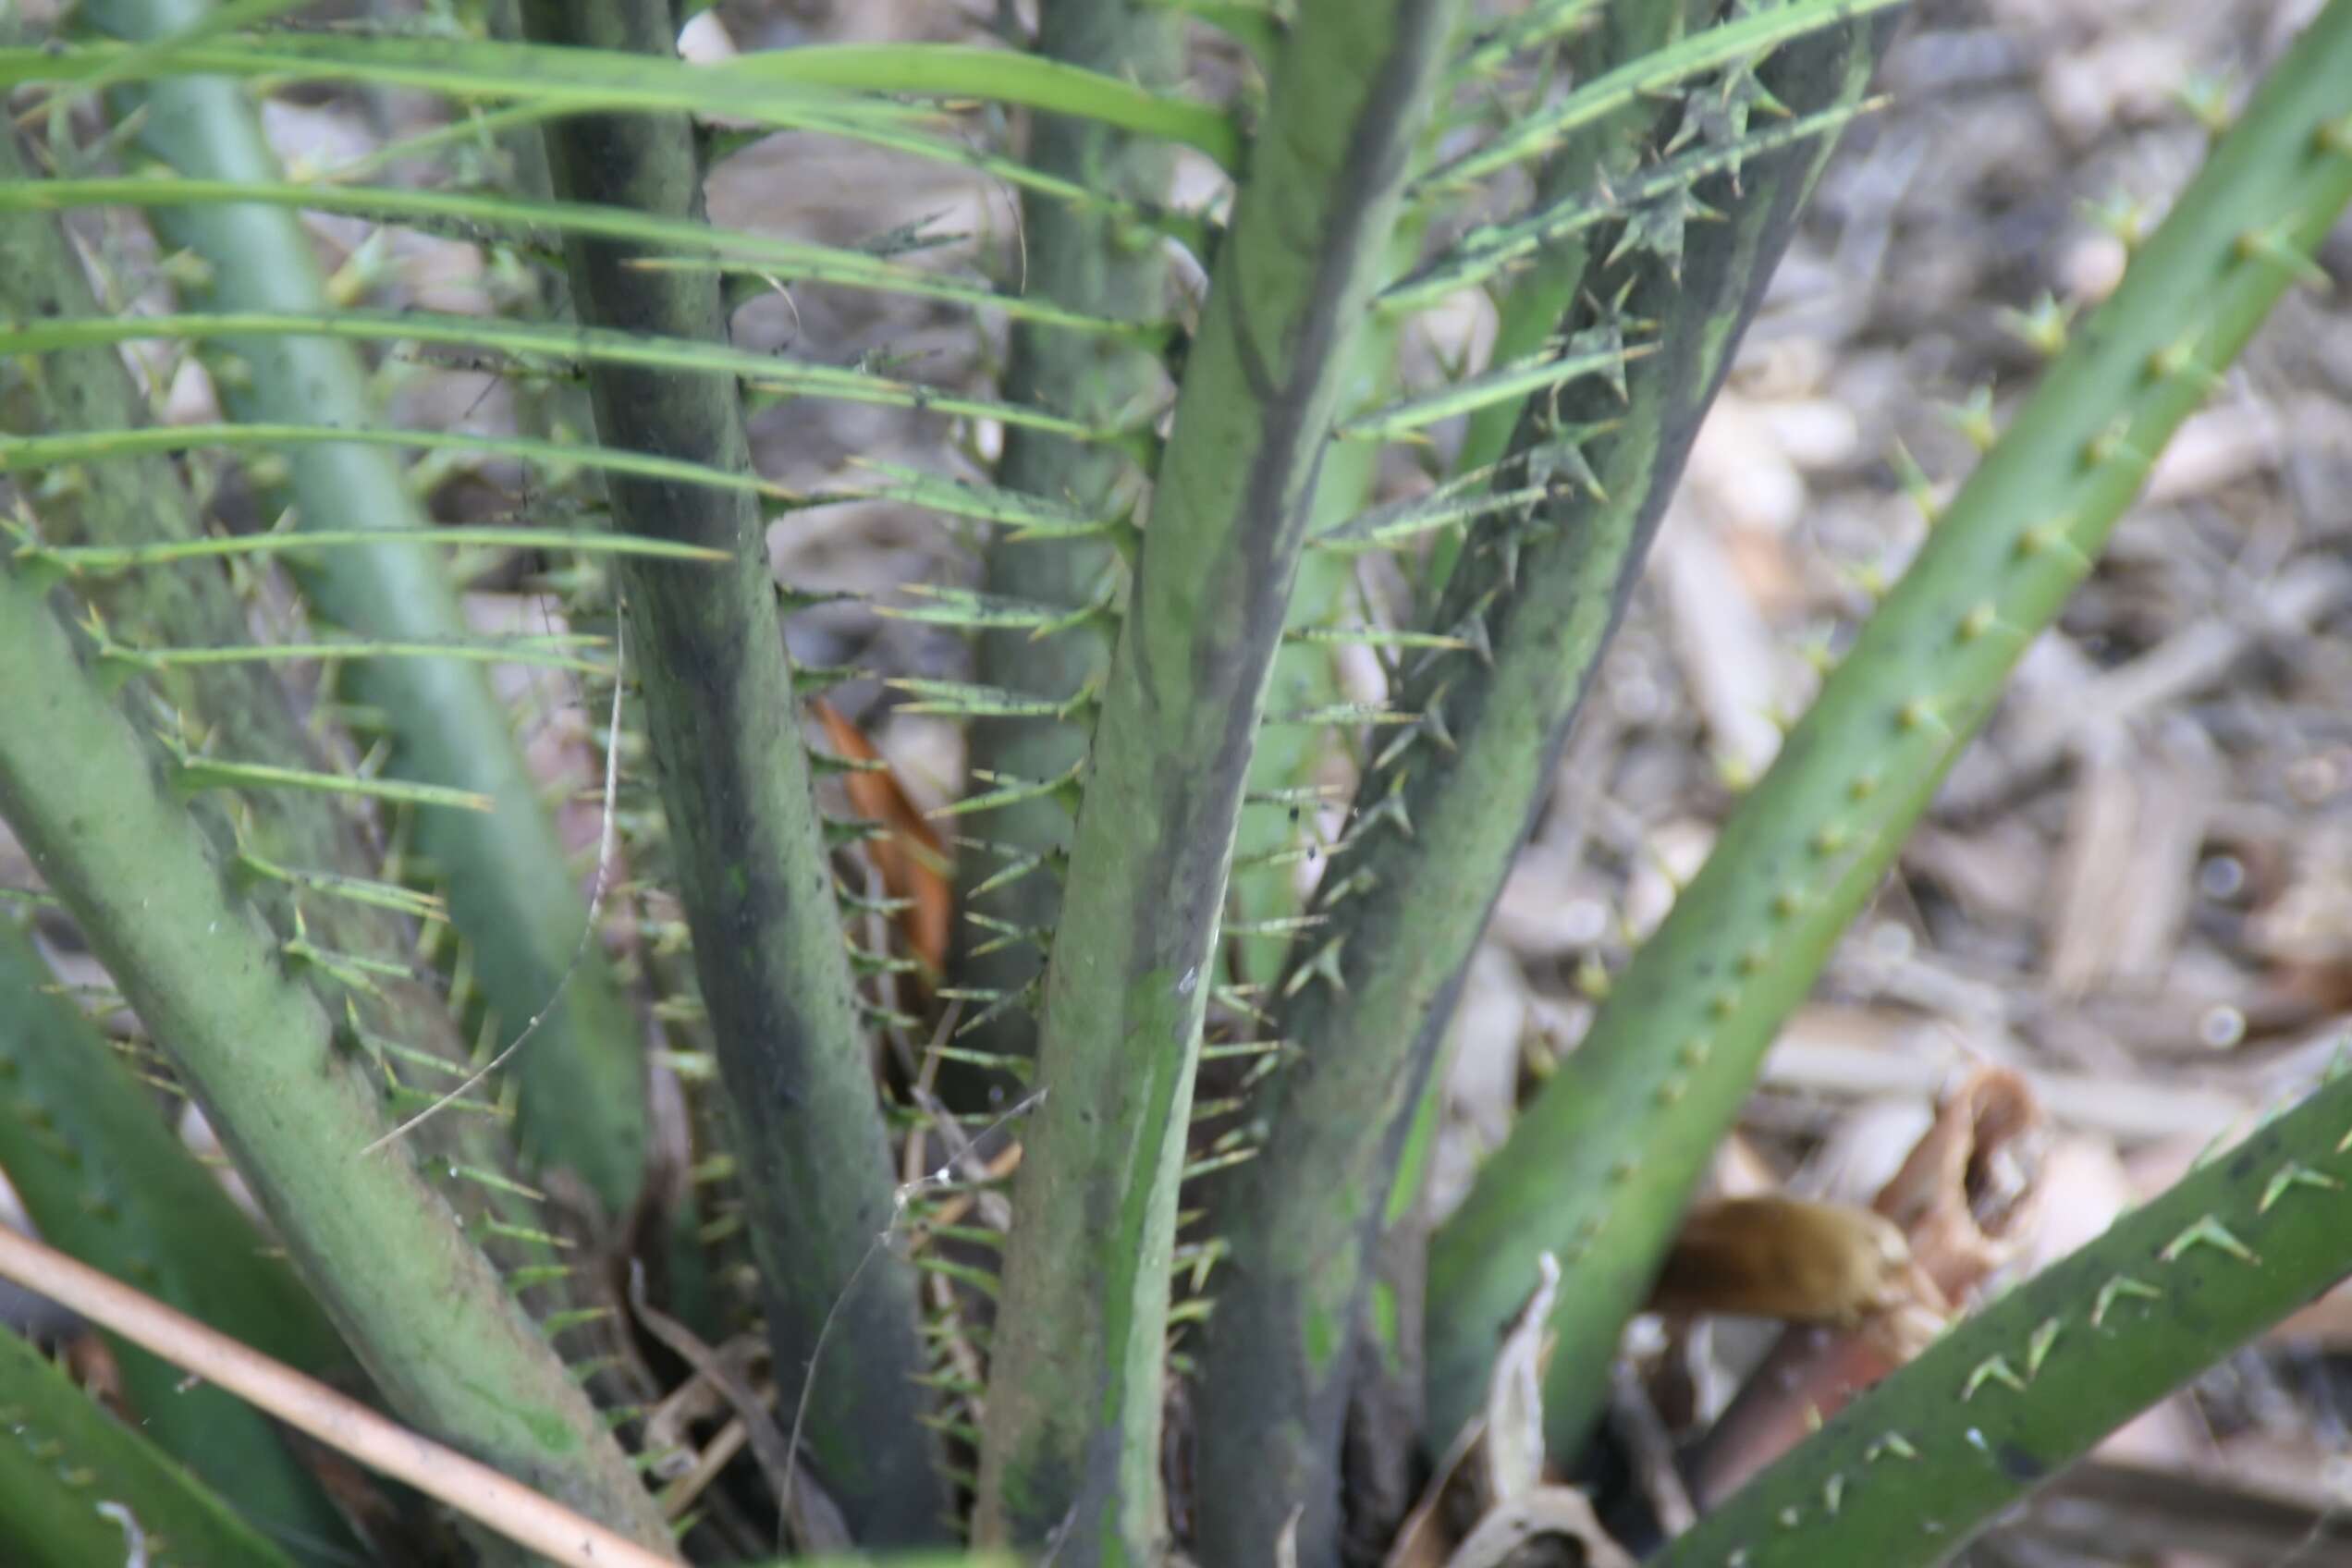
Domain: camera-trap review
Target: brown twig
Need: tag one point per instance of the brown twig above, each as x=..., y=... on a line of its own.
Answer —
x=816, y=1520
x=481, y=1494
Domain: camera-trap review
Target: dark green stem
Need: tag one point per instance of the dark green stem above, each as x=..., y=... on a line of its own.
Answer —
x=744, y=824
x=1434, y=827
x=1072, y=1443
x=1088, y=260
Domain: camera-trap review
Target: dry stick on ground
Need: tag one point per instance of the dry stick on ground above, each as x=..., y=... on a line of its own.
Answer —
x=474, y=1489
x=817, y=1523
x=903, y=1196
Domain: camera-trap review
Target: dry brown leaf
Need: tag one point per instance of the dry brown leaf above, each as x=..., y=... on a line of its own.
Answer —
x=1546, y=1510
x=910, y=858
x=1966, y=1198
x=1510, y=1469
x=1515, y=1447
x=1964, y=1203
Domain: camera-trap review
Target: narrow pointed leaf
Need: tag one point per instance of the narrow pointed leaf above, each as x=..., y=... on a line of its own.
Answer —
x=103, y=1177
x=78, y=1488
x=819, y=88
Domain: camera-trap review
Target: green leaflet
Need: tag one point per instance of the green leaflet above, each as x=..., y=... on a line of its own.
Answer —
x=835, y=89
x=78, y=1487
x=102, y=1177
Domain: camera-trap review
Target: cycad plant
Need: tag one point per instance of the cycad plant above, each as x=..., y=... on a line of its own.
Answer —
x=542, y=1133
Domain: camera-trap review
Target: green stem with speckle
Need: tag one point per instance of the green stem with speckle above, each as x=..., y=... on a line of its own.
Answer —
x=106, y=827
x=1601, y=1164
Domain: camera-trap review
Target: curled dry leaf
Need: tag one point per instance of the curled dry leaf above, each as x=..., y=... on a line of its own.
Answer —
x=1506, y=1438
x=1965, y=1197
x=910, y=857
x=1515, y=1447
x=1519, y=1506
x=1964, y=1203
x=1546, y=1510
